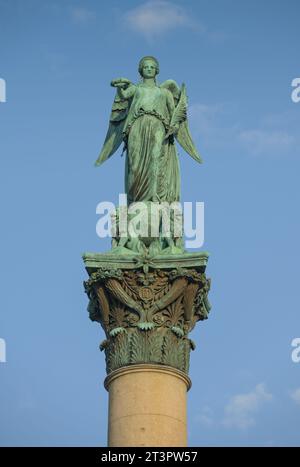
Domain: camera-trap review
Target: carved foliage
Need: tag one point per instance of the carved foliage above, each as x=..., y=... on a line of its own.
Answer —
x=136, y=346
x=147, y=316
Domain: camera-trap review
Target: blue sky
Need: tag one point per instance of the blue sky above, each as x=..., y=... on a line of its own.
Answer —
x=238, y=59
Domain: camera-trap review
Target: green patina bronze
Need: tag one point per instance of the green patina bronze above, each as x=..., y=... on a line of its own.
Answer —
x=147, y=117
x=147, y=312
x=148, y=292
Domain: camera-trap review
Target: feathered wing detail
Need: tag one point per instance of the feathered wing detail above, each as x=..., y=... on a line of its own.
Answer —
x=179, y=120
x=114, y=136
x=173, y=87
x=184, y=138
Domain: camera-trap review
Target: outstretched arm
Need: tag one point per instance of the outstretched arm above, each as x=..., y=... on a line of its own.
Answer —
x=125, y=88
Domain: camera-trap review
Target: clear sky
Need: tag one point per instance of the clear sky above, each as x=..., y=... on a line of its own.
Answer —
x=238, y=59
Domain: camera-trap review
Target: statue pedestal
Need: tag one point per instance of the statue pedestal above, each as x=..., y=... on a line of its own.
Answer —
x=147, y=306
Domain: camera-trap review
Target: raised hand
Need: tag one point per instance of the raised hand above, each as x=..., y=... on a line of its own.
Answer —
x=120, y=83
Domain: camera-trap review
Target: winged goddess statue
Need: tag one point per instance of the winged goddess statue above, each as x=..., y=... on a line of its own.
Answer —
x=148, y=117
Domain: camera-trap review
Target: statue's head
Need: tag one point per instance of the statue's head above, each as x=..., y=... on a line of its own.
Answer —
x=148, y=67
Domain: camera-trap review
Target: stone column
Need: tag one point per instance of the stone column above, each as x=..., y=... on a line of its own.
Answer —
x=147, y=307
x=147, y=406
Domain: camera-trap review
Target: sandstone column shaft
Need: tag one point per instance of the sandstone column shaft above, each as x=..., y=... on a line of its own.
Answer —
x=147, y=406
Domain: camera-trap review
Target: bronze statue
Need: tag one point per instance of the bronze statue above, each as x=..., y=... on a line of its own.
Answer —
x=147, y=117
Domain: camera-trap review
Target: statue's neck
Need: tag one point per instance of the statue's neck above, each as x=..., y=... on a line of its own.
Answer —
x=150, y=82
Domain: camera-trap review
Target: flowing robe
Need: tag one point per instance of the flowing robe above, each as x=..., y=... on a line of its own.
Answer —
x=152, y=168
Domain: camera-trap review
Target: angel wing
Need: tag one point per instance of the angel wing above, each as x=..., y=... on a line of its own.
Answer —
x=179, y=119
x=114, y=136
